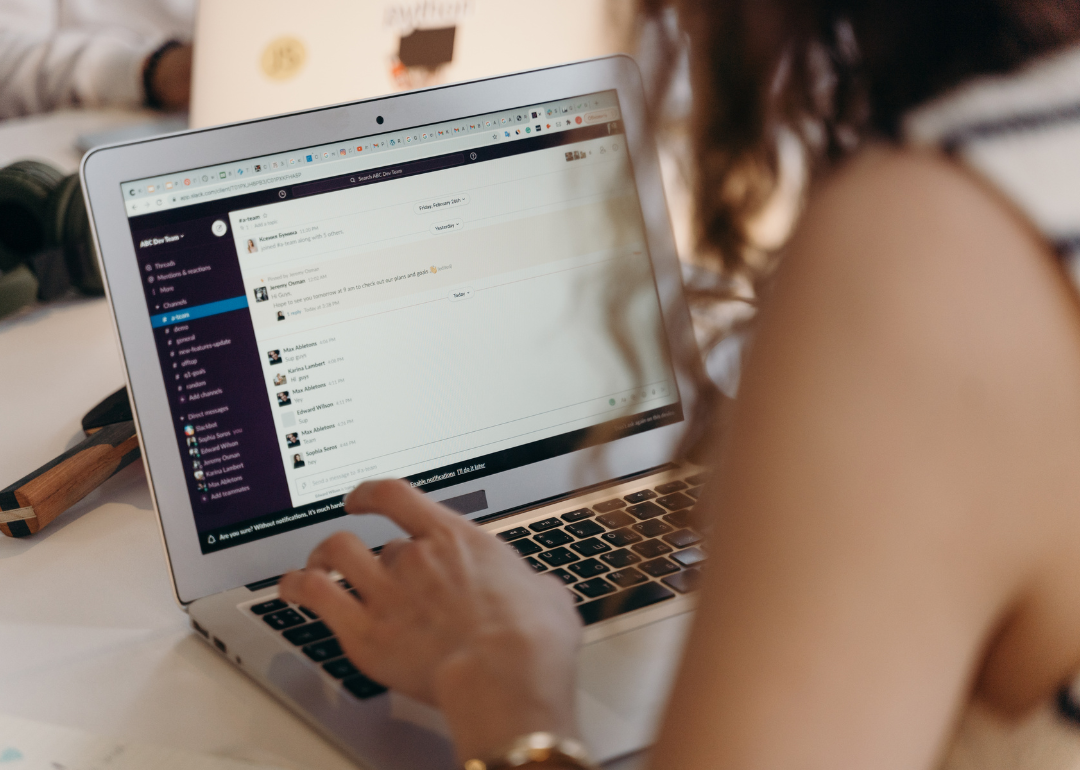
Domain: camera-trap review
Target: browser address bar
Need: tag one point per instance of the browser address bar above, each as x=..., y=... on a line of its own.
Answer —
x=237, y=187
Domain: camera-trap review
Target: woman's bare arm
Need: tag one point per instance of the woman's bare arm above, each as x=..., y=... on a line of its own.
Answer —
x=898, y=493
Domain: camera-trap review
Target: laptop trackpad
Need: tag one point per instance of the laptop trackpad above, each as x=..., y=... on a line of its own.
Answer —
x=624, y=682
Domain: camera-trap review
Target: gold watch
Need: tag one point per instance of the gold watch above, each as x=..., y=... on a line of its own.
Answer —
x=538, y=750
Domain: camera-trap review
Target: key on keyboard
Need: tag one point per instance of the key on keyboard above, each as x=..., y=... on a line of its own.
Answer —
x=621, y=537
x=324, y=650
x=625, y=601
x=283, y=619
x=646, y=510
x=362, y=687
x=675, y=502
x=583, y=529
x=340, y=668
x=514, y=534
x=686, y=581
x=558, y=557
x=652, y=528
x=271, y=606
x=679, y=519
x=625, y=578
x=553, y=539
x=650, y=549
x=595, y=587
x=588, y=568
x=564, y=576
x=615, y=519
x=578, y=515
x=545, y=524
x=621, y=558
x=637, y=497
x=671, y=486
x=609, y=505
x=689, y=557
x=683, y=538
x=312, y=632
x=526, y=547
x=590, y=547
x=658, y=567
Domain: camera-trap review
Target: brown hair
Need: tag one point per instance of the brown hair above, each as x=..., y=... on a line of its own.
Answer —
x=834, y=72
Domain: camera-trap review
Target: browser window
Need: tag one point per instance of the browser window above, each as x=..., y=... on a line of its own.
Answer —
x=438, y=310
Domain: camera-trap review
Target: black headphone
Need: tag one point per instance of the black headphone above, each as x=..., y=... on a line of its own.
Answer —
x=45, y=243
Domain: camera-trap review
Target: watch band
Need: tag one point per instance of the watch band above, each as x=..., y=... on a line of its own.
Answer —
x=537, y=750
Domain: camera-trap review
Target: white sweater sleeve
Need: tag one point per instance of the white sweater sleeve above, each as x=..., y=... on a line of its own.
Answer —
x=69, y=68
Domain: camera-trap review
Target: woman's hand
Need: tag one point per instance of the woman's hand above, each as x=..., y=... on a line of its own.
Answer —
x=452, y=617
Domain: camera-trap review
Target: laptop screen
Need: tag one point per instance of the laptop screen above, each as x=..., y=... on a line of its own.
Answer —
x=433, y=304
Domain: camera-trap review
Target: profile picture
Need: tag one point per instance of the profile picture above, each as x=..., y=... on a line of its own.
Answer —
x=189, y=430
x=261, y=294
x=274, y=356
x=292, y=440
x=280, y=379
x=196, y=464
x=192, y=441
x=252, y=248
x=199, y=475
x=283, y=398
x=298, y=460
x=201, y=486
x=194, y=451
x=281, y=315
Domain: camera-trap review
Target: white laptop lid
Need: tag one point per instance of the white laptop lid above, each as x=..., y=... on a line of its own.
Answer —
x=266, y=57
x=417, y=286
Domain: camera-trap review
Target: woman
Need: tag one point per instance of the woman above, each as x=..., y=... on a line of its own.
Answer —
x=895, y=502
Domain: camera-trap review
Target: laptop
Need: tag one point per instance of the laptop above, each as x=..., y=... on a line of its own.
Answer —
x=279, y=60
x=472, y=287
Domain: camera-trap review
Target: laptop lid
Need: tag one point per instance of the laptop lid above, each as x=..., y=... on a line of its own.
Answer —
x=279, y=60
x=419, y=286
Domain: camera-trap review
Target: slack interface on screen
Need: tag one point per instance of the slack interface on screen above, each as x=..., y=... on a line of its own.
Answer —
x=438, y=315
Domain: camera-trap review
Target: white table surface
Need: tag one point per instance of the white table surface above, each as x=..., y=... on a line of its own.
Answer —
x=90, y=635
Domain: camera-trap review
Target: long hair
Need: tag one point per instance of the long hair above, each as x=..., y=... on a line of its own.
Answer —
x=832, y=73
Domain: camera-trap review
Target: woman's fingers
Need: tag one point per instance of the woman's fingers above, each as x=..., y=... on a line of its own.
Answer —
x=344, y=552
x=389, y=552
x=314, y=589
x=412, y=511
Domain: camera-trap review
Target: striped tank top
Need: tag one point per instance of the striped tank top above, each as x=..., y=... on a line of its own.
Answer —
x=1021, y=133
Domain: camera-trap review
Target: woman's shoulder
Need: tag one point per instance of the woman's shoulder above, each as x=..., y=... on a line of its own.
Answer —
x=921, y=319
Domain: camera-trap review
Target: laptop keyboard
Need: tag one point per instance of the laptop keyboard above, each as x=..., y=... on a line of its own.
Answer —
x=622, y=554
x=615, y=557
x=302, y=628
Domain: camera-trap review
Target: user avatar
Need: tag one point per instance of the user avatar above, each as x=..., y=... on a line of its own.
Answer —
x=199, y=475
x=280, y=379
x=283, y=398
x=274, y=356
x=281, y=315
x=201, y=486
x=194, y=451
x=261, y=294
x=252, y=248
x=189, y=430
x=298, y=460
x=196, y=464
x=292, y=440
x=192, y=441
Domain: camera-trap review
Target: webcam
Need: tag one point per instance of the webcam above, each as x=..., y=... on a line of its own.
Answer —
x=379, y=120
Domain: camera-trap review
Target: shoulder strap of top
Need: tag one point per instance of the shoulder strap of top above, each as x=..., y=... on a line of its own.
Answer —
x=1021, y=132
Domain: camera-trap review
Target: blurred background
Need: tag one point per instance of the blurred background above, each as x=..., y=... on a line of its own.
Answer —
x=79, y=73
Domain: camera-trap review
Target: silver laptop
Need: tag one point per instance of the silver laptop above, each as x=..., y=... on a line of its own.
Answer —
x=474, y=288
